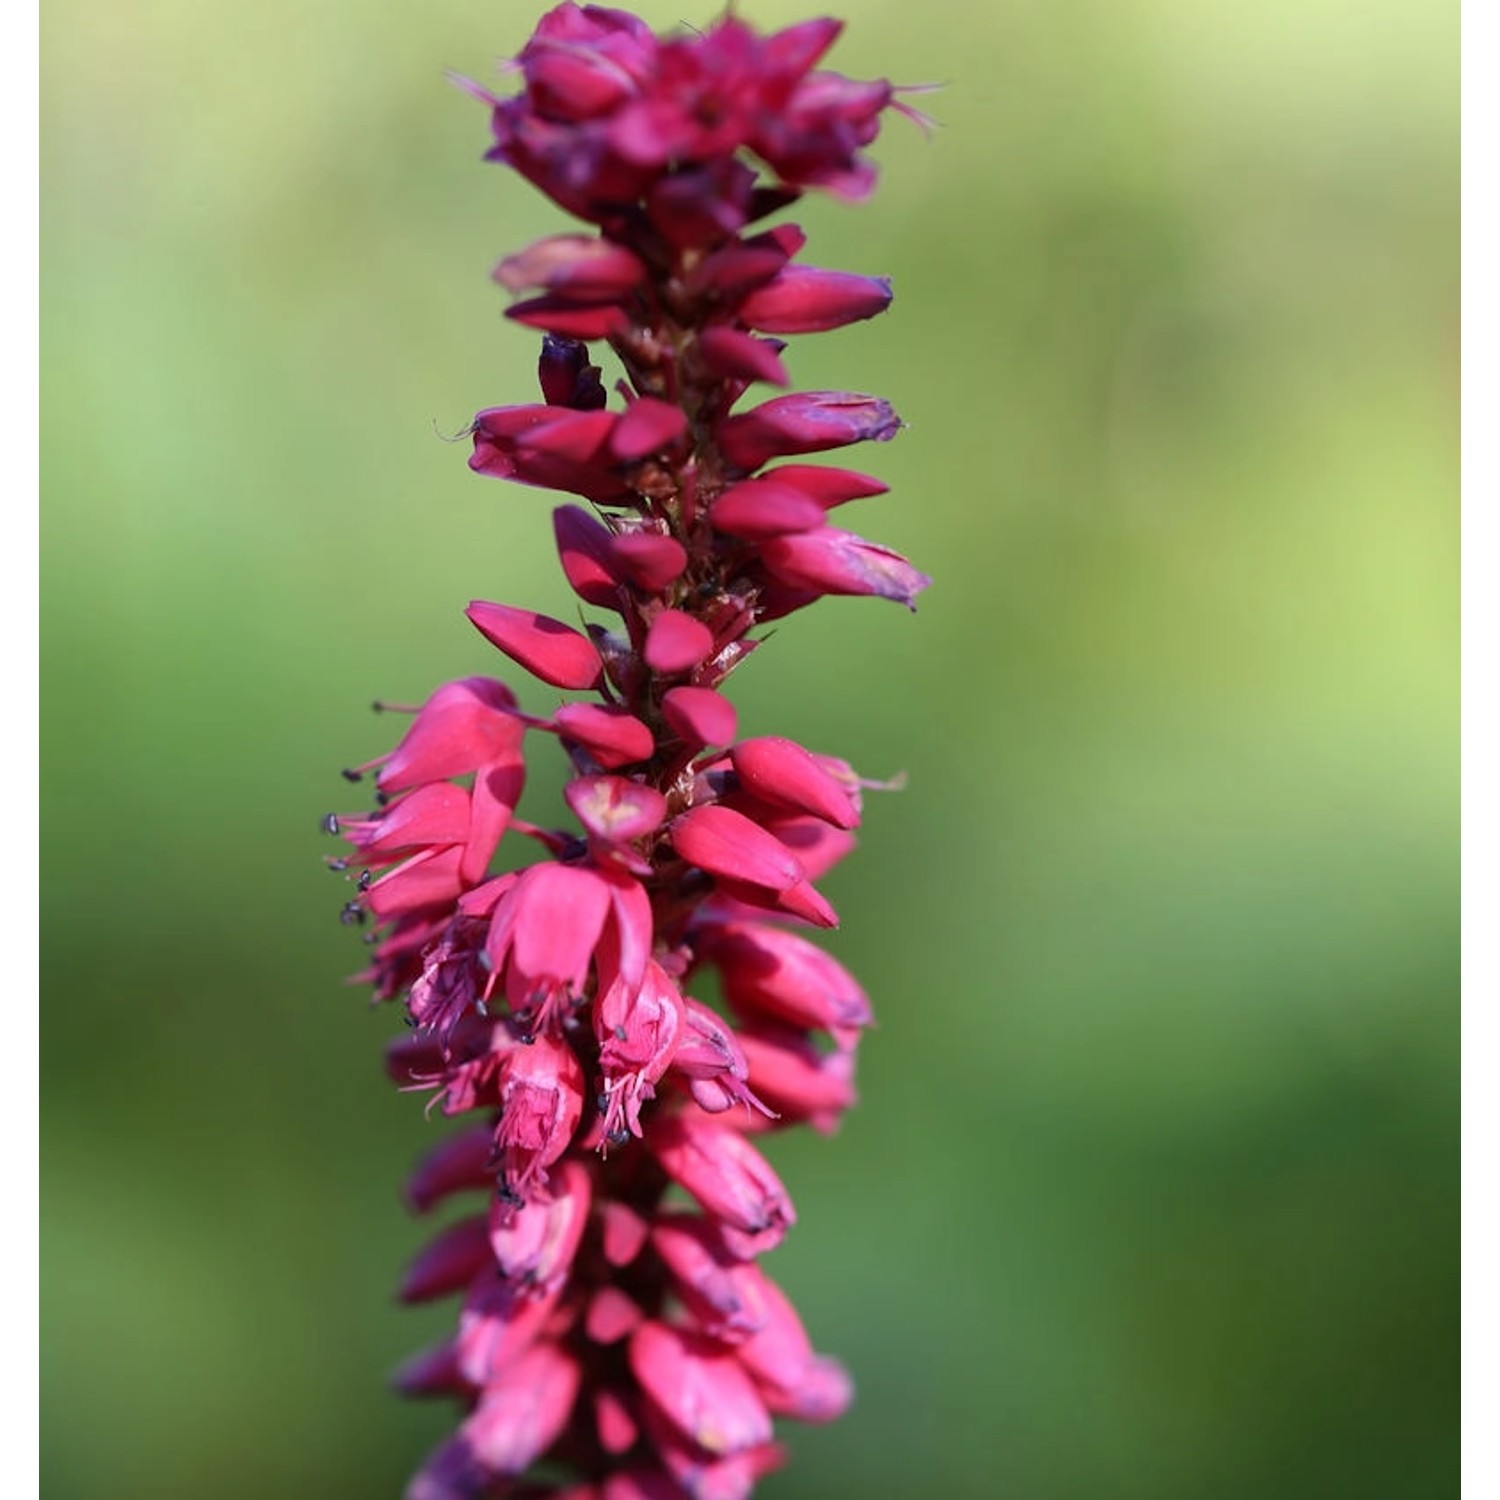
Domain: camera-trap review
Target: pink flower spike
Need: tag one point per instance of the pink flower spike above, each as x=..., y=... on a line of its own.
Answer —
x=806, y=423
x=781, y=772
x=807, y=299
x=759, y=508
x=728, y=844
x=448, y=1263
x=676, y=641
x=700, y=716
x=547, y=648
x=608, y=731
x=647, y=426
x=831, y=561
x=614, y=809
x=705, y=1393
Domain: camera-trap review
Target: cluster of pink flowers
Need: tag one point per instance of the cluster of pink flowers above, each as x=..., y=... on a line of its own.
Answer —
x=615, y=1324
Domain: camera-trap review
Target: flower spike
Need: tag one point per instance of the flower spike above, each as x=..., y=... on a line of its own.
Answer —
x=617, y=1337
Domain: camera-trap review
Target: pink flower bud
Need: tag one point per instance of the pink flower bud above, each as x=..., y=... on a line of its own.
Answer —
x=609, y=732
x=721, y=1291
x=805, y=423
x=781, y=772
x=765, y=970
x=648, y=559
x=728, y=844
x=625, y=1233
x=534, y=1244
x=728, y=1177
x=450, y=1261
x=705, y=1393
x=700, y=716
x=617, y=1429
x=546, y=647
x=583, y=546
x=828, y=486
x=797, y=1080
x=566, y=376
x=614, y=809
x=759, y=508
x=647, y=426
x=579, y=265
x=734, y=354
x=522, y=1411
x=611, y=1316
x=462, y=1161
x=559, y=314
x=831, y=561
x=676, y=641
x=807, y=299
x=431, y=1372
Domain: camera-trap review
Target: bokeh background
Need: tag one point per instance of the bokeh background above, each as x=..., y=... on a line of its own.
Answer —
x=1153, y=1189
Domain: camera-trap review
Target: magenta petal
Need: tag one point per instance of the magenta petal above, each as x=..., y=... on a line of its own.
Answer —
x=648, y=559
x=759, y=508
x=647, y=426
x=808, y=299
x=449, y=1262
x=610, y=733
x=806, y=423
x=581, y=265
x=700, y=716
x=556, y=313
x=732, y=353
x=461, y=726
x=704, y=1392
x=583, y=545
x=781, y=772
x=727, y=843
x=523, y=1410
x=830, y=561
x=828, y=486
x=547, y=648
x=676, y=641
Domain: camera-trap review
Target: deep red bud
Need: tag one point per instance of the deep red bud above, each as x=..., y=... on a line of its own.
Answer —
x=705, y=1392
x=450, y=1261
x=556, y=313
x=647, y=426
x=805, y=423
x=566, y=376
x=648, y=559
x=676, y=641
x=781, y=772
x=760, y=508
x=732, y=354
x=610, y=733
x=547, y=648
x=700, y=716
x=583, y=545
x=808, y=299
x=580, y=265
x=830, y=561
x=727, y=843
x=828, y=486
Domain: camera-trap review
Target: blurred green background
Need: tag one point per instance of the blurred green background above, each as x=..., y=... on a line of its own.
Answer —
x=1153, y=1189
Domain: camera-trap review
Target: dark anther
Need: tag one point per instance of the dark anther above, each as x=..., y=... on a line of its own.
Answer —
x=338, y=864
x=353, y=914
x=508, y=1195
x=621, y=1033
x=618, y=1136
x=410, y=1020
x=381, y=798
x=371, y=938
x=365, y=879
x=330, y=823
x=377, y=707
x=349, y=775
x=528, y=1038
x=601, y=1102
